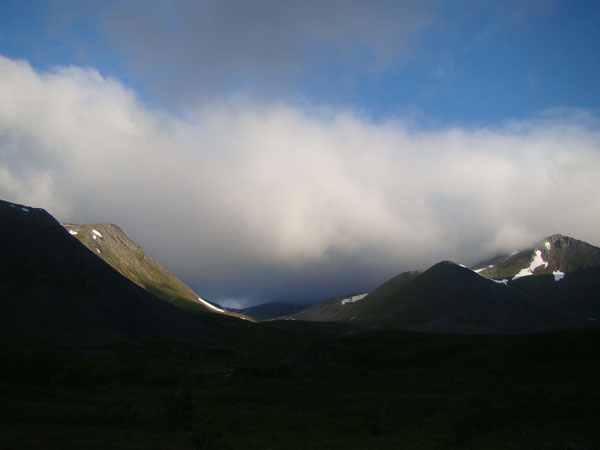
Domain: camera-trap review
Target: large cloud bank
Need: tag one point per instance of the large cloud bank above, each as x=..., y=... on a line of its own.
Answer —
x=259, y=201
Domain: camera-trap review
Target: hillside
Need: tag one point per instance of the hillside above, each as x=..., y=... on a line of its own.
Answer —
x=270, y=310
x=560, y=270
x=110, y=243
x=451, y=298
x=158, y=376
x=348, y=308
x=556, y=255
x=53, y=287
x=553, y=285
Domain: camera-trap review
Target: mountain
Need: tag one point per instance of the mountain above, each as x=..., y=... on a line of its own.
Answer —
x=270, y=310
x=347, y=308
x=451, y=298
x=555, y=255
x=110, y=243
x=554, y=285
x=52, y=286
x=332, y=310
x=561, y=270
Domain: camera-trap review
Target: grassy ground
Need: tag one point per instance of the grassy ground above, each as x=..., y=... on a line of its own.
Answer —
x=379, y=391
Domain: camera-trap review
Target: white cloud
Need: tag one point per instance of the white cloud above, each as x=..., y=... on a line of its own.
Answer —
x=243, y=199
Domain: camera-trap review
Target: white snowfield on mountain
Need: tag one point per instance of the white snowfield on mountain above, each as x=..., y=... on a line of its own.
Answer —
x=536, y=262
x=504, y=281
x=483, y=268
x=211, y=306
x=354, y=298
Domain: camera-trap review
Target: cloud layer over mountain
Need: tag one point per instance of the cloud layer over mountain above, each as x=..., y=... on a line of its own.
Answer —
x=257, y=200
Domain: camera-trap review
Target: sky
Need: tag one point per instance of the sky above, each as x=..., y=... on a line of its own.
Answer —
x=267, y=150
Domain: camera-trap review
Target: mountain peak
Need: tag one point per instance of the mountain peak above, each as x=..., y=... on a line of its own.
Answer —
x=557, y=254
x=448, y=265
x=54, y=287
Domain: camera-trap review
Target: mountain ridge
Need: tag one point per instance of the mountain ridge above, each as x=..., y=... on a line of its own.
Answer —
x=522, y=292
x=110, y=243
x=552, y=285
x=561, y=253
x=52, y=286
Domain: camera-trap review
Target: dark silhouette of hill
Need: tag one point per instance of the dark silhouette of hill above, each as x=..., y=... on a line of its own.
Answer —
x=451, y=298
x=270, y=310
x=54, y=287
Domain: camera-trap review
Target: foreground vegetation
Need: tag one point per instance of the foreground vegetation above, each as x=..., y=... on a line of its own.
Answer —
x=367, y=390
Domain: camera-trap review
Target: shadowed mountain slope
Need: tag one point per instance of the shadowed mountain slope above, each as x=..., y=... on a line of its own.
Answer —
x=350, y=307
x=270, y=310
x=553, y=285
x=451, y=298
x=560, y=270
x=53, y=287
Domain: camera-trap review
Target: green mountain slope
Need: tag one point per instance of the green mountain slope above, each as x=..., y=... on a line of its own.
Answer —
x=351, y=307
x=555, y=254
x=110, y=243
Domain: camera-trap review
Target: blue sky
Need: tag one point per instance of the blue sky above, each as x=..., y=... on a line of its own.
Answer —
x=456, y=63
x=272, y=150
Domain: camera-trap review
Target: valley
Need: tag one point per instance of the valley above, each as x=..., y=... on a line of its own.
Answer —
x=372, y=390
x=107, y=353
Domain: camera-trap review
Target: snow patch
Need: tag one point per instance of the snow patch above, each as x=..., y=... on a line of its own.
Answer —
x=73, y=232
x=12, y=206
x=354, y=298
x=211, y=306
x=97, y=233
x=558, y=275
x=24, y=210
x=536, y=262
x=505, y=281
x=547, y=244
x=483, y=268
